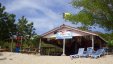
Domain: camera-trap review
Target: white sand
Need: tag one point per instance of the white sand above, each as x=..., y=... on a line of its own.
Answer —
x=18, y=58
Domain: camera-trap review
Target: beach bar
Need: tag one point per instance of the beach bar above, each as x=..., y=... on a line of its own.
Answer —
x=70, y=39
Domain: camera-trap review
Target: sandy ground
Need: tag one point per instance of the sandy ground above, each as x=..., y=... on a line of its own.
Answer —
x=18, y=58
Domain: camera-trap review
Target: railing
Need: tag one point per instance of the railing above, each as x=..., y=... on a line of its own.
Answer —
x=29, y=50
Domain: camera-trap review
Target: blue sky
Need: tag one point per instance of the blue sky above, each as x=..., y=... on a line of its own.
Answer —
x=45, y=14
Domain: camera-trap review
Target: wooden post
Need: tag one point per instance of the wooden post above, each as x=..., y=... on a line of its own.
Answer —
x=100, y=42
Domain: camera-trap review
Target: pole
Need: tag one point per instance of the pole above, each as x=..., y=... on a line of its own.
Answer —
x=39, y=47
x=92, y=42
x=63, y=47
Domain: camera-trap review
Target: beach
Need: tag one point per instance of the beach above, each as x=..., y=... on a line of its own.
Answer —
x=19, y=58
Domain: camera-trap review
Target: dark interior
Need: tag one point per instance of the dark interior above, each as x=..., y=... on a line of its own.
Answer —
x=72, y=45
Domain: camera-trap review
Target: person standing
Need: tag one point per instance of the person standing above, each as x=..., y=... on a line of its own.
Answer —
x=18, y=47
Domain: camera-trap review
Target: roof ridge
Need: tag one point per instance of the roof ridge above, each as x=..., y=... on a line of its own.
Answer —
x=67, y=26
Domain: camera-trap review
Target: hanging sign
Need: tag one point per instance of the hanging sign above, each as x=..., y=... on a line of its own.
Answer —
x=64, y=35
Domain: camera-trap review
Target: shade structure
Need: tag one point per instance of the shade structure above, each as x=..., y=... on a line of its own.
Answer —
x=64, y=31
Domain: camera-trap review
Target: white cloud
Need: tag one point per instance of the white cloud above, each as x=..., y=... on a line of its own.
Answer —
x=32, y=4
x=50, y=17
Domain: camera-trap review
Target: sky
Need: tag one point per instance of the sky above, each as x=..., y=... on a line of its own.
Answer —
x=45, y=14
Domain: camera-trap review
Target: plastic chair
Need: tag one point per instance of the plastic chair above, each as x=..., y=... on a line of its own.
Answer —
x=80, y=53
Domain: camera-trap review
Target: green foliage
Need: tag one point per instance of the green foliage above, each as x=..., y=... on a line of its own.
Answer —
x=4, y=44
x=22, y=25
x=7, y=24
x=25, y=28
x=110, y=43
x=8, y=27
x=83, y=17
x=94, y=12
x=108, y=38
x=36, y=40
x=53, y=48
